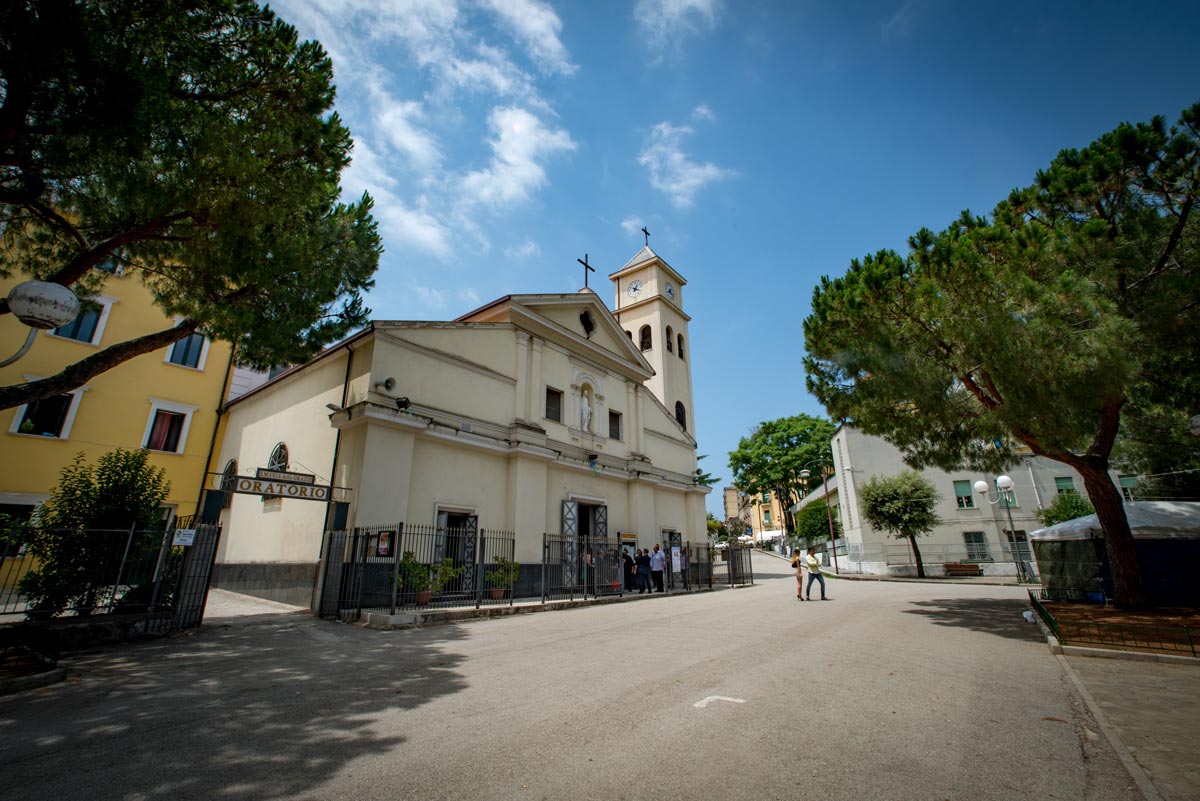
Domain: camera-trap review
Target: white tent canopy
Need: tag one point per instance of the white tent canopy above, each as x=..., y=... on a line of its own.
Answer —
x=1149, y=520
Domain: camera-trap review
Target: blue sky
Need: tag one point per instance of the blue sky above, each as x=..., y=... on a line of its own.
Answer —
x=763, y=144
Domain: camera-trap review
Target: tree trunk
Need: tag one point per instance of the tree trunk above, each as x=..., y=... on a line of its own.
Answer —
x=1128, y=591
x=789, y=525
x=76, y=375
x=917, y=555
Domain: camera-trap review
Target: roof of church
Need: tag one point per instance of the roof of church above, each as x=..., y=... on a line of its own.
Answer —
x=644, y=255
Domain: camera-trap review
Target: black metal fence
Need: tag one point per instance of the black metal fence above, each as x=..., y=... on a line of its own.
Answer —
x=95, y=572
x=581, y=567
x=731, y=565
x=414, y=567
x=1177, y=640
x=410, y=568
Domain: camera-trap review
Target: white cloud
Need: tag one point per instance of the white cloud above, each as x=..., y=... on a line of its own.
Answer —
x=430, y=298
x=413, y=227
x=671, y=169
x=633, y=225
x=703, y=112
x=536, y=25
x=469, y=296
x=900, y=24
x=520, y=143
x=525, y=250
x=665, y=22
x=396, y=121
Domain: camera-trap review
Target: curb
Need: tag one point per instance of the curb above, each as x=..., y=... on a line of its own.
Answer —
x=413, y=620
x=1135, y=771
x=1058, y=649
x=32, y=682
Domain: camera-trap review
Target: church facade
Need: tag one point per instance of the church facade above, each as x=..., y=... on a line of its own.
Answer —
x=528, y=412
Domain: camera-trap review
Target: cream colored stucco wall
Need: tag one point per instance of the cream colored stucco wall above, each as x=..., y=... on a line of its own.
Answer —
x=291, y=410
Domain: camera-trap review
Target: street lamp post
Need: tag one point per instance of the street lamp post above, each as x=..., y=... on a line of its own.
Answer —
x=804, y=474
x=1004, y=486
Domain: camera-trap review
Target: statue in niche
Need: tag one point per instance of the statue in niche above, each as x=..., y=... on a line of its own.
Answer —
x=585, y=410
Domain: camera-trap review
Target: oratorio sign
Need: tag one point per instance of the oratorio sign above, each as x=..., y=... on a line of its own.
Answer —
x=282, y=489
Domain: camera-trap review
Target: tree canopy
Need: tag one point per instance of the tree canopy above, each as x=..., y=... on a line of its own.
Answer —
x=772, y=457
x=192, y=145
x=1065, y=506
x=813, y=521
x=1073, y=310
x=902, y=505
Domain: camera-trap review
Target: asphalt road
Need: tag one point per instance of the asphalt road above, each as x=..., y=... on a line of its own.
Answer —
x=891, y=691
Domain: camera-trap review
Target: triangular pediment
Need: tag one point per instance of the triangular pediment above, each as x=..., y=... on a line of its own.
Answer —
x=560, y=318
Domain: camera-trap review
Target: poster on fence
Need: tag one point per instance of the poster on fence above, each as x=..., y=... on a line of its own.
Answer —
x=677, y=565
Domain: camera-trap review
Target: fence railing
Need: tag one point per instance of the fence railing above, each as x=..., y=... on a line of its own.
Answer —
x=412, y=567
x=94, y=571
x=91, y=572
x=1178, y=640
x=731, y=565
x=899, y=553
x=416, y=567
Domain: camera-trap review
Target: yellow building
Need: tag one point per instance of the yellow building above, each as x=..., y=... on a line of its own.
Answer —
x=761, y=512
x=165, y=401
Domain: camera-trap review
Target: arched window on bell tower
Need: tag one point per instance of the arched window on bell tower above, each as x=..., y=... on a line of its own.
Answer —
x=681, y=414
x=681, y=346
x=670, y=337
x=644, y=338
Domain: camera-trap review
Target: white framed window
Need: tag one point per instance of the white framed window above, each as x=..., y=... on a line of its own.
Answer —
x=88, y=325
x=614, y=425
x=963, y=494
x=190, y=352
x=167, y=428
x=1064, y=484
x=554, y=399
x=49, y=418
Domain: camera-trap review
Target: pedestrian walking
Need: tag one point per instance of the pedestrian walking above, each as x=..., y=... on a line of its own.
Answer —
x=798, y=566
x=658, y=561
x=627, y=562
x=642, y=566
x=814, y=573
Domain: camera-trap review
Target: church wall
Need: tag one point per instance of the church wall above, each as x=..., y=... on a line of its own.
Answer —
x=271, y=547
x=569, y=319
x=457, y=370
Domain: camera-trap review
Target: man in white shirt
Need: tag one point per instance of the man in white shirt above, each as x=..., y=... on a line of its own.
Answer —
x=813, y=565
x=658, y=561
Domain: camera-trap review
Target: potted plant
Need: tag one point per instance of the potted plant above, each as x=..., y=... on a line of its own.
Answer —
x=502, y=577
x=414, y=576
x=445, y=573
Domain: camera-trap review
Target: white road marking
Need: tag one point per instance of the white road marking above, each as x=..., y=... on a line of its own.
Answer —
x=704, y=703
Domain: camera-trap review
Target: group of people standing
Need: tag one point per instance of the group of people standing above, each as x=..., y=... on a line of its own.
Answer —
x=809, y=562
x=644, y=570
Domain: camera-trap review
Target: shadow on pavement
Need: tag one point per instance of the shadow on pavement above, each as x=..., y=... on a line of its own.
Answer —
x=1001, y=617
x=261, y=710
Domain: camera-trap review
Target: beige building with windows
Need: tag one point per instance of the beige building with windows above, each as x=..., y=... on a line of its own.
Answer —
x=527, y=412
x=972, y=528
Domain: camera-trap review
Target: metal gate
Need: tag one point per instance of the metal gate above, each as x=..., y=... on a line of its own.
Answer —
x=183, y=576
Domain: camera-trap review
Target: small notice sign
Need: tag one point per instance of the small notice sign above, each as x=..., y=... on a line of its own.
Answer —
x=184, y=536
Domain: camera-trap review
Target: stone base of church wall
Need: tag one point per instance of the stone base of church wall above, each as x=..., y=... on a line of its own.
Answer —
x=286, y=583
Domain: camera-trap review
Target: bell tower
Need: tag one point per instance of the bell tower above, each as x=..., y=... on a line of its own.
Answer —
x=649, y=306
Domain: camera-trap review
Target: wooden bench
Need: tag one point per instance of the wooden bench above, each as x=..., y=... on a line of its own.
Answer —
x=962, y=569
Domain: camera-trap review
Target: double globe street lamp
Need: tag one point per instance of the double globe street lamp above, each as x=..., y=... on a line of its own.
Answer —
x=1004, y=486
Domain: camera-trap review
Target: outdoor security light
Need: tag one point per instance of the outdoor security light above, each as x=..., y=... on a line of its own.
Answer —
x=804, y=474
